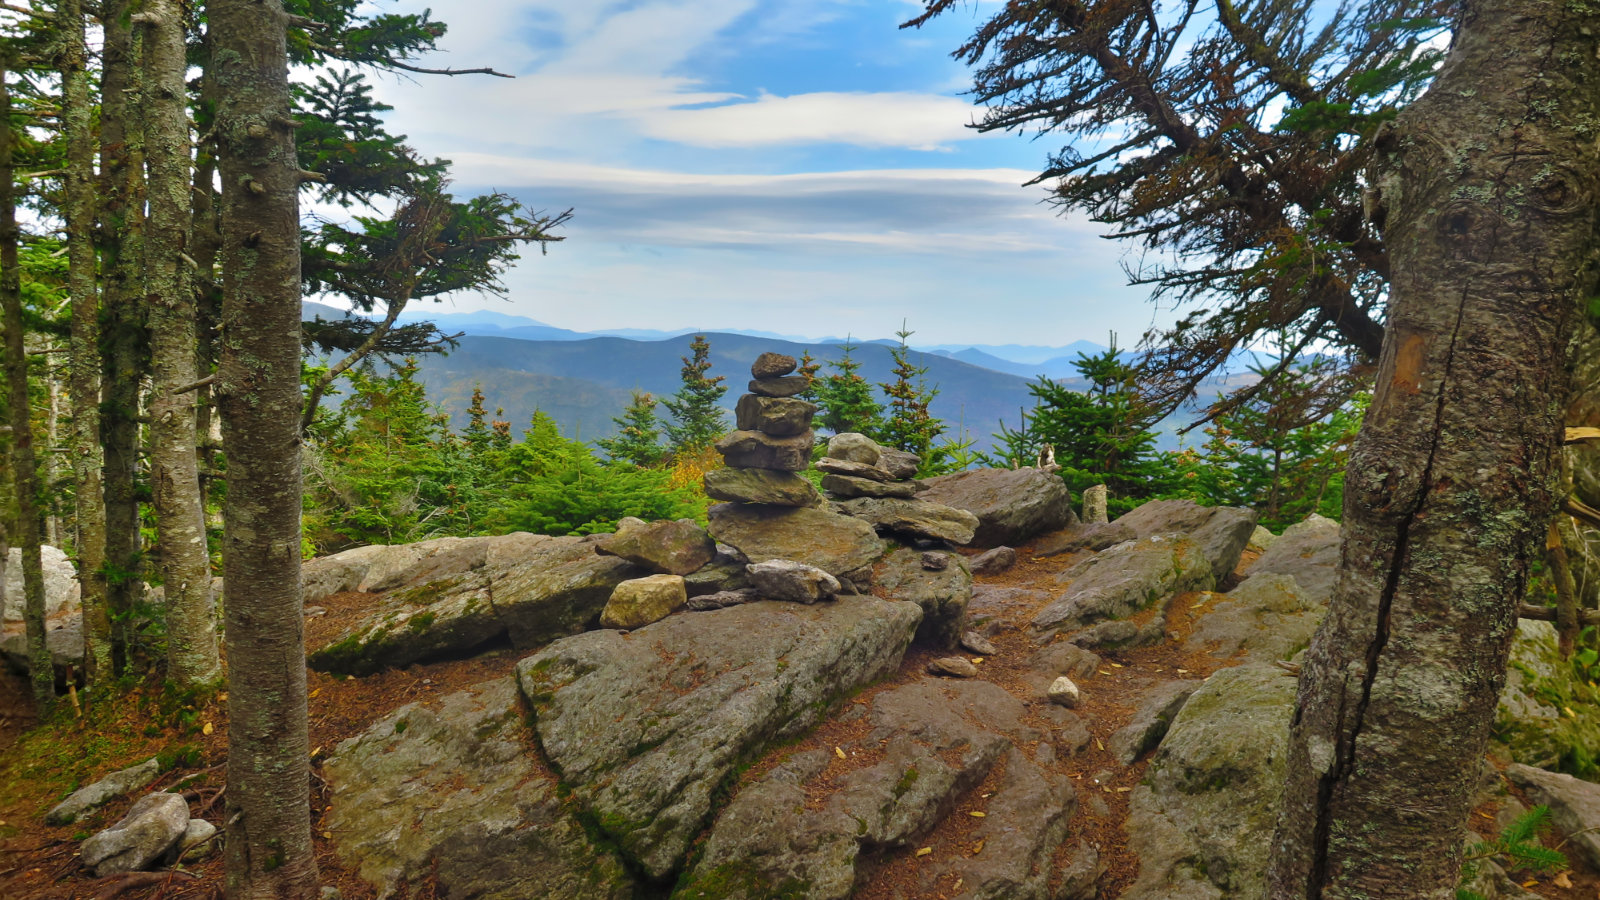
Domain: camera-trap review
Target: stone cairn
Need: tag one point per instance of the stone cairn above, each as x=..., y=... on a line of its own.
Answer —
x=773, y=444
x=857, y=466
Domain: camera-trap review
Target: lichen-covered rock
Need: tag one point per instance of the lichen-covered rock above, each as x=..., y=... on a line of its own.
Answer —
x=401, y=565
x=1307, y=550
x=637, y=602
x=1157, y=710
x=773, y=365
x=445, y=616
x=779, y=416
x=60, y=583
x=854, y=447
x=453, y=790
x=847, y=487
x=1547, y=717
x=669, y=548
x=785, y=579
x=953, y=667
x=559, y=588
x=646, y=727
x=1574, y=805
x=900, y=464
x=338, y=572
x=1202, y=819
x=779, y=385
x=1095, y=536
x=761, y=486
x=1267, y=617
x=94, y=796
x=1125, y=579
x=994, y=561
x=943, y=594
x=153, y=825
x=817, y=537
x=830, y=465
x=1012, y=505
x=1221, y=532
x=913, y=518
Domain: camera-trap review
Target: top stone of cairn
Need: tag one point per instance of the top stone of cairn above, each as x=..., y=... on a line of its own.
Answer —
x=772, y=365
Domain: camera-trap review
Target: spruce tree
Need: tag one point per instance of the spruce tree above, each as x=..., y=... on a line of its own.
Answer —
x=846, y=399
x=697, y=420
x=638, y=439
x=909, y=426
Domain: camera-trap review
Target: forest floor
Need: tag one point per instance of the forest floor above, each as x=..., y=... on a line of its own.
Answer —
x=38, y=768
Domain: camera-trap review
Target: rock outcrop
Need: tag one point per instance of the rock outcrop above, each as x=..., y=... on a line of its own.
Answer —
x=1012, y=505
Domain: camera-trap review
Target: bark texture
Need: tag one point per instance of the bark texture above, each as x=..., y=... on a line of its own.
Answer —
x=24, y=466
x=269, y=834
x=83, y=383
x=124, y=338
x=1490, y=186
x=192, y=659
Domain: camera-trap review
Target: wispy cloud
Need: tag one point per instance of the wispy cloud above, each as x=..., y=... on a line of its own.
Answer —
x=914, y=121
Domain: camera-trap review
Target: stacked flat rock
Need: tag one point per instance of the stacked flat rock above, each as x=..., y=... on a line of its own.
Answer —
x=773, y=443
x=877, y=484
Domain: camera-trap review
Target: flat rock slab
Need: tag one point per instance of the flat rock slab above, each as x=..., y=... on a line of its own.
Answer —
x=454, y=790
x=1265, y=618
x=913, y=518
x=1012, y=505
x=1221, y=532
x=1124, y=580
x=1202, y=819
x=645, y=727
x=817, y=537
x=153, y=826
x=669, y=548
x=102, y=792
x=1574, y=805
x=761, y=486
x=934, y=742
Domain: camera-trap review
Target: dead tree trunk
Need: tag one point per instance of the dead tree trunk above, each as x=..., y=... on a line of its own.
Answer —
x=1490, y=186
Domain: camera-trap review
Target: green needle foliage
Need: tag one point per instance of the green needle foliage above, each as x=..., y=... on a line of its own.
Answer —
x=697, y=420
x=909, y=426
x=845, y=398
x=638, y=439
x=1517, y=848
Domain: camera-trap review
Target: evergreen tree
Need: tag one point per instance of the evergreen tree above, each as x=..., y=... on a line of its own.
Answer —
x=638, y=439
x=697, y=420
x=845, y=398
x=909, y=426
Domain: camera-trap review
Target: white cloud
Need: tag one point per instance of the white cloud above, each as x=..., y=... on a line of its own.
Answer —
x=908, y=120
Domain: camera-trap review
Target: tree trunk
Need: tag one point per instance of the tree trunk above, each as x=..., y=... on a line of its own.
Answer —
x=192, y=659
x=83, y=385
x=1490, y=189
x=269, y=835
x=24, y=467
x=125, y=340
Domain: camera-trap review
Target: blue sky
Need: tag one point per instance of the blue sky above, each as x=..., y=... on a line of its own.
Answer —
x=798, y=166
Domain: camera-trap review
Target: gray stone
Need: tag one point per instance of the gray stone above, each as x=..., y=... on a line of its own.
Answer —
x=723, y=599
x=1574, y=805
x=637, y=602
x=780, y=386
x=669, y=548
x=953, y=667
x=338, y=573
x=646, y=727
x=754, y=450
x=978, y=644
x=993, y=562
x=509, y=550
x=1057, y=659
x=1267, y=617
x=1260, y=539
x=1124, y=580
x=1309, y=551
x=1221, y=532
x=63, y=638
x=778, y=416
x=1085, y=536
x=446, y=616
x=899, y=463
x=452, y=789
x=195, y=835
x=942, y=594
x=785, y=579
x=558, y=589
x=1119, y=634
x=1012, y=505
x=152, y=826
x=816, y=537
x=834, y=466
x=100, y=793
x=761, y=486
x=936, y=560
x=1157, y=710
x=856, y=448
x=913, y=518
x=60, y=583
x=995, y=608
x=1546, y=715
x=847, y=487
x=773, y=365
x=721, y=574
x=1202, y=819
x=403, y=565
x=1081, y=879
x=1064, y=692
x=934, y=743
x=1094, y=505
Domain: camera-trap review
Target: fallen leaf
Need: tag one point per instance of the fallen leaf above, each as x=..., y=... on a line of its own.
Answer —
x=1530, y=883
x=977, y=815
x=976, y=660
x=207, y=728
x=1104, y=672
x=839, y=753
x=977, y=848
x=1562, y=881
x=314, y=693
x=222, y=697
x=924, y=851
x=1569, y=712
x=1123, y=790
x=1116, y=665
x=327, y=835
x=1098, y=744
x=1183, y=671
